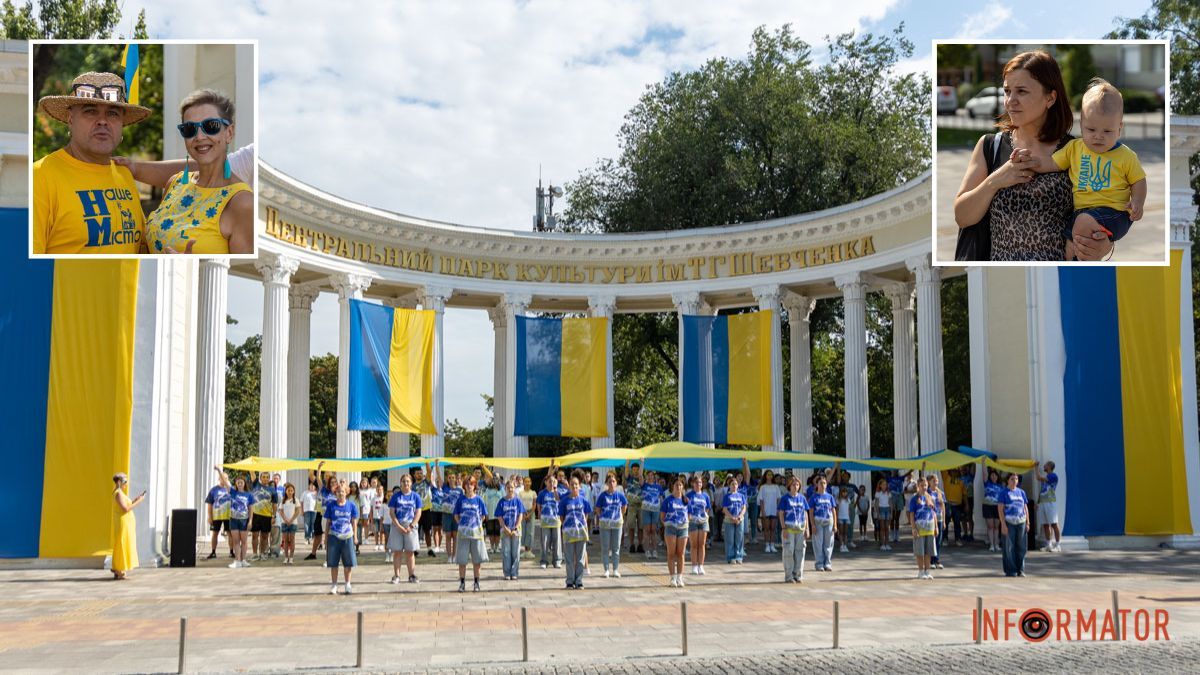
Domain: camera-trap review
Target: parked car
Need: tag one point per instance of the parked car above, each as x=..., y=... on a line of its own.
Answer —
x=947, y=100
x=989, y=102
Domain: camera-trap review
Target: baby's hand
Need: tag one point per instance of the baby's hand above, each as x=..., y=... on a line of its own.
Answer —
x=1088, y=230
x=1135, y=210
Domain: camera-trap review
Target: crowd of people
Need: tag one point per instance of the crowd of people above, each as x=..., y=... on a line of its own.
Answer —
x=466, y=515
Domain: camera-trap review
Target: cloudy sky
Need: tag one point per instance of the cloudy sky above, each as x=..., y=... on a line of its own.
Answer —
x=446, y=109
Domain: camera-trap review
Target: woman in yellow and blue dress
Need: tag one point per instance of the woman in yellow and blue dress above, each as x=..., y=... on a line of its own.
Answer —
x=208, y=209
x=124, y=527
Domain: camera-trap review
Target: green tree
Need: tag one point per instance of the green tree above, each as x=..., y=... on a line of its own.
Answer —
x=59, y=19
x=1078, y=66
x=243, y=367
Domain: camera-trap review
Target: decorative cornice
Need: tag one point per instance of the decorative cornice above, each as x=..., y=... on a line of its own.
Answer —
x=902, y=296
x=277, y=269
x=602, y=305
x=349, y=285
x=435, y=297
x=799, y=307
x=768, y=296
x=300, y=298
x=517, y=303
x=686, y=302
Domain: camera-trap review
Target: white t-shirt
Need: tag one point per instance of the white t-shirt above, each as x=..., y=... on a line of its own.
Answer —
x=287, y=510
x=241, y=163
x=843, y=509
x=309, y=501
x=884, y=499
x=768, y=499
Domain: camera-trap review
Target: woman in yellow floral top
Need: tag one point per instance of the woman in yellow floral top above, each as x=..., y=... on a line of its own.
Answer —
x=208, y=210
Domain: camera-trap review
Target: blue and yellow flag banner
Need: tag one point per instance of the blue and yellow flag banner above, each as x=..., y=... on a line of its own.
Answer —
x=727, y=379
x=562, y=377
x=68, y=330
x=391, y=368
x=1123, y=402
x=132, y=65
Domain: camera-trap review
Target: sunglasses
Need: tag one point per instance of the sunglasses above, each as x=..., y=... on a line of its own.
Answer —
x=109, y=92
x=211, y=127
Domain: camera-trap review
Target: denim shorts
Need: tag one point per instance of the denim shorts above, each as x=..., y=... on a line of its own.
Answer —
x=697, y=526
x=340, y=551
x=670, y=530
x=288, y=529
x=1114, y=221
x=448, y=523
x=239, y=524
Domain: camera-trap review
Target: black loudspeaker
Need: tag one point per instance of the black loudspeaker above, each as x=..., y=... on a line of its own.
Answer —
x=183, y=538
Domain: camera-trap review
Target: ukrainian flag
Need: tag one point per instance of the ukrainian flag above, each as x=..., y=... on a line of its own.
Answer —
x=132, y=65
x=562, y=377
x=727, y=379
x=391, y=368
x=66, y=401
x=1123, y=400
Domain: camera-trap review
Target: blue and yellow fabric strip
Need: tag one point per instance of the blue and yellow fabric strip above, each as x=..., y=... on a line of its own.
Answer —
x=132, y=68
x=562, y=377
x=1123, y=401
x=69, y=327
x=727, y=379
x=391, y=368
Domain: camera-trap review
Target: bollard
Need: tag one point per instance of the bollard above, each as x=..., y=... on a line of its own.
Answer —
x=358, y=663
x=683, y=625
x=182, y=644
x=978, y=620
x=1116, y=618
x=524, y=634
x=836, y=611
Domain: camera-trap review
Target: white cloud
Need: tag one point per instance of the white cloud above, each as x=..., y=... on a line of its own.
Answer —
x=987, y=22
x=445, y=110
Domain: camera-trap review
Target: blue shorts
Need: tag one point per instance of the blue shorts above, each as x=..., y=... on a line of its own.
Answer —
x=694, y=526
x=1114, y=221
x=885, y=514
x=288, y=529
x=448, y=523
x=239, y=524
x=670, y=530
x=649, y=517
x=340, y=551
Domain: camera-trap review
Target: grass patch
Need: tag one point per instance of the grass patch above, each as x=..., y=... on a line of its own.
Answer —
x=948, y=138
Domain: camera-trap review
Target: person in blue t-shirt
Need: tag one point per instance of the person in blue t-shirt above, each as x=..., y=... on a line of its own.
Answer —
x=218, y=511
x=940, y=512
x=652, y=495
x=993, y=489
x=733, y=505
x=404, y=538
x=896, y=482
x=241, y=501
x=341, y=519
x=1015, y=520
x=674, y=513
x=792, y=511
x=511, y=512
x=823, y=511
x=469, y=513
x=923, y=518
x=611, y=506
x=573, y=513
x=1048, y=507
x=699, y=514
x=549, y=522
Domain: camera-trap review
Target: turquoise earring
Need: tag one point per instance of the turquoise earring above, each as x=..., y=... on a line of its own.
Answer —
x=185, y=171
x=228, y=171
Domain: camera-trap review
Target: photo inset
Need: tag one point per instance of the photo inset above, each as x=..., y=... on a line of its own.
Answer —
x=143, y=148
x=1051, y=153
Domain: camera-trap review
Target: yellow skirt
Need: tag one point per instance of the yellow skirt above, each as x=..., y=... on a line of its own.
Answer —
x=124, y=540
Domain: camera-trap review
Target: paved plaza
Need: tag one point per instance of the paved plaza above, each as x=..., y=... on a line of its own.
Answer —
x=740, y=618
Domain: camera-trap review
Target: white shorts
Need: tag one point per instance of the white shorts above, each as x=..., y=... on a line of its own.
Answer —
x=400, y=542
x=1048, y=513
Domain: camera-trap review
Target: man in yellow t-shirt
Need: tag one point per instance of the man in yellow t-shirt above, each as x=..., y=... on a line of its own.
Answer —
x=955, y=497
x=82, y=202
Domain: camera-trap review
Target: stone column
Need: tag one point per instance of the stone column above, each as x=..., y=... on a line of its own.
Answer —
x=904, y=375
x=930, y=380
x=272, y=404
x=857, y=412
x=604, y=306
x=514, y=304
x=799, y=308
x=434, y=298
x=210, y=380
x=349, y=443
x=300, y=301
x=686, y=303
x=397, y=441
x=499, y=360
x=768, y=298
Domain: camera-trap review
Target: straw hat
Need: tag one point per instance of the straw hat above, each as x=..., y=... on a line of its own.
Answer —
x=59, y=107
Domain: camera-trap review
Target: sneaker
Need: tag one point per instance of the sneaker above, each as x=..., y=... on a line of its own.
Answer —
x=587, y=571
x=557, y=565
x=333, y=589
x=430, y=553
x=616, y=574
x=579, y=586
x=475, y=587
x=311, y=556
x=680, y=578
x=701, y=570
x=920, y=575
x=395, y=579
x=929, y=576
x=939, y=566
x=958, y=542
x=234, y=565
x=462, y=585
x=606, y=573
x=245, y=563
x=1020, y=574
x=844, y=549
x=828, y=568
x=211, y=555
x=672, y=583
x=543, y=565
x=852, y=544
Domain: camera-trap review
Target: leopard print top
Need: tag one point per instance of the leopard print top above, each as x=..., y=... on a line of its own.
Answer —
x=1028, y=219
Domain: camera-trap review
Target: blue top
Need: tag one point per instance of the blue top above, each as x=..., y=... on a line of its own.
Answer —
x=219, y=498
x=925, y=513
x=992, y=492
x=471, y=512
x=651, y=496
x=547, y=503
x=610, y=505
x=735, y=503
x=1014, y=502
x=1049, y=487
x=239, y=504
x=509, y=510
x=824, y=507
x=895, y=484
x=339, y=517
x=699, y=505
x=451, y=495
x=574, y=512
x=939, y=501
x=405, y=506
x=674, y=511
x=562, y=490
x=794, y=510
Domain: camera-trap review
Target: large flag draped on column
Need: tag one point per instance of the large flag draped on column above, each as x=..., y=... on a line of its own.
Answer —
x=727, y=379
x=562, y=377
x=391, y=369
x=1123, y=401
x=67, y=333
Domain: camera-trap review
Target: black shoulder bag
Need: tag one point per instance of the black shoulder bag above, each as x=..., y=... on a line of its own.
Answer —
x=975, y=242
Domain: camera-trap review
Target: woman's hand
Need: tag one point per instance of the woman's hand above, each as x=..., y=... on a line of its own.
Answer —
x=1017, y=171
